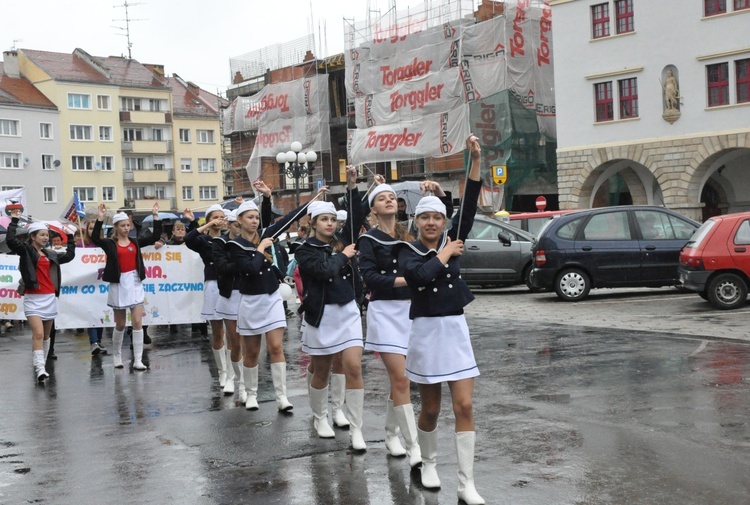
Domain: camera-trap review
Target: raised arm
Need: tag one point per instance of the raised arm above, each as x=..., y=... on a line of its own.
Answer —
x=354, y=207
x=11, y=239
x=464, y=219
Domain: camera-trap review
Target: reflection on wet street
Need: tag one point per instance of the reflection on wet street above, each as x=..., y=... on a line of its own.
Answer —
x=565, y=415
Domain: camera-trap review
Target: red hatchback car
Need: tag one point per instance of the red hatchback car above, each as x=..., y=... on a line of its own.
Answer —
x=716, y=261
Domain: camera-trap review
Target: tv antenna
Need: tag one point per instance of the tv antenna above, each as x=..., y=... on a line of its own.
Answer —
x=127, y=20
x=15, y=44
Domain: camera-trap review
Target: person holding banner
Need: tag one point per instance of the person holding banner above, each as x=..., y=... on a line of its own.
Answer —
x=199, y=239
x=125, y=272
x=95, y=334
x=332, y=317
x=41, y=276
x=388, y=322
x=261, y=308
x=439, y=345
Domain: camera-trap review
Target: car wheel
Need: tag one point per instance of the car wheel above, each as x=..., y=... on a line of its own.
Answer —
x=727, y=291
x=572, y=285
x=703, y=295
x=527, y=280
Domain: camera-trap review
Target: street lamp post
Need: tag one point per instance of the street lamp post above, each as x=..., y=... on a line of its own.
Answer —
x=297, y=164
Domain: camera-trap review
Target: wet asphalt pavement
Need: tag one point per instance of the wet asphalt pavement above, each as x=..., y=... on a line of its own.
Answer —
x=565, y=415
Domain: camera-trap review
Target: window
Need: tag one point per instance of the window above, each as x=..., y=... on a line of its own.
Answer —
x=205, y=136
x=135, y=193
x=50, y=194
x=160, y=192
x=186, y=165
x=608, y=226
x=85, y=193
x=206, y=165
x=105, y=133
x=230, y=189
x=207, y=192
x=108, y=163
x=82, y=163
x=9, y=127
x=741, y=4
x=187, y=192
x=47, y=162
x=742, y=237
x=127, y=103
x=184, y=135
x=714, y=7
x=108, y=194
x=10, y=188
x=45, y=130
x=600, y=20
x=624, y=13
x=80, y=132
x=131, y=134
x=135, y=164
x=157, y=134
x=484, y=231
x=79, y=101
x=604, y=102
x=718, y=84
x=10, y=160
x=103, y=102
x=628, y=98
x=742, y=70
x=154, y=105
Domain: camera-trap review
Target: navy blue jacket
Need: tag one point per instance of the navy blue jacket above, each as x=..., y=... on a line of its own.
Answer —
x=437, y=289
x=329, y=277
x=256, y=274
x=228, y=278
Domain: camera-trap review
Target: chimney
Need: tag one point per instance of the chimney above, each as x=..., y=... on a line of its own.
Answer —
x=10, y=64
x=309, y=56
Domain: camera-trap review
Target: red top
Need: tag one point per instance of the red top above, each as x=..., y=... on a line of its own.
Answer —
x=126, y=257
x=43, y=277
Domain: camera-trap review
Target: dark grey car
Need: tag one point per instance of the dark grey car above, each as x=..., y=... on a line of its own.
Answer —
x=492, y=261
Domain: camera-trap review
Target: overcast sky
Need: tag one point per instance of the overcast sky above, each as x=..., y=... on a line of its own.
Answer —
x=192, y=38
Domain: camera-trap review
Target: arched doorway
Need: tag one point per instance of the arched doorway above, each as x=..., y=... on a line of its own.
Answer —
x=620, y=182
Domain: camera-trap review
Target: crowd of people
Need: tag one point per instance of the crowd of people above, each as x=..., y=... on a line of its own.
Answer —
x=409, y=277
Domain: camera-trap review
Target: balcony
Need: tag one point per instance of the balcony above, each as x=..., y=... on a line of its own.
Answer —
x=149, y=176
x=145, y=117
x=147, y=147
x=145, y=205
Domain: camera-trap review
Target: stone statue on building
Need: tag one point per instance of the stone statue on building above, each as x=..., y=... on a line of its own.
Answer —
x=671, y=98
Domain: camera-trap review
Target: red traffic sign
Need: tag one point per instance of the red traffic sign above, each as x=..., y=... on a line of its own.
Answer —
x=541, y=203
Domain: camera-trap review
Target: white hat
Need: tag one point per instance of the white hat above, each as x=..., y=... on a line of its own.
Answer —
x=214, y=208
x=430, y=204
x=341, y=215
x=231, y=216
x=244, y=208
x=120, y=216
x=37, y=226
x=317, y=208
x=377, y=190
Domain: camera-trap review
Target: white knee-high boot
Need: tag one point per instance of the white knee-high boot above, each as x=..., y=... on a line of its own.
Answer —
x=37, y=359
x=338, y=395
x=138, y=350
x=392, y=443
x=45, y=346
x=221, y=365
x=251, y=387
x=117, y=336
x=237, y=368
x=405, y=418
x=319, y=405
x=428, y=445
x=355, y=400
x=278, y=375
x=229, y=384
x=465, y=453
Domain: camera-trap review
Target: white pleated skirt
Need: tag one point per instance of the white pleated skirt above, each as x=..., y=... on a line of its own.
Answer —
x=127, y=293
x=440, y=350
x=340, y=328
x=210, y=301
x=388, y=326
x=44, y=306
x=258, y=314
x=228, y=308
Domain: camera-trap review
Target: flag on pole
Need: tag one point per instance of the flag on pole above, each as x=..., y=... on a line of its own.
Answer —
x=80, y=208
x=70, y=212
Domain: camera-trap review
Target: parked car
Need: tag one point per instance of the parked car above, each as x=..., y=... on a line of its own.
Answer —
x=716, y=261
x=533, y=222
x=496, y=254
x=627, y=246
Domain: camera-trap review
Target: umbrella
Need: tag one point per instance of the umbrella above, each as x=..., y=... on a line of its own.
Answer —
x=409, y=191
x=161, y=217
